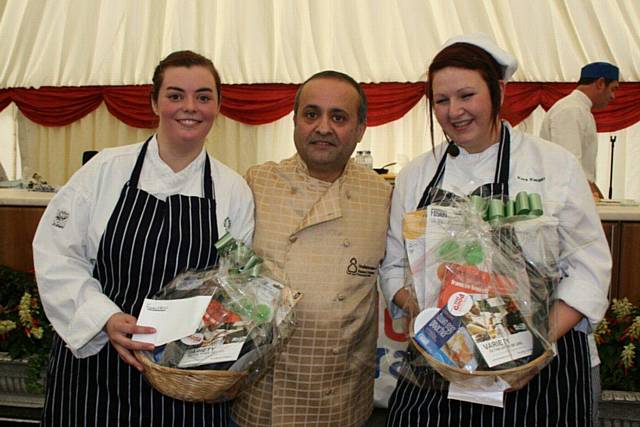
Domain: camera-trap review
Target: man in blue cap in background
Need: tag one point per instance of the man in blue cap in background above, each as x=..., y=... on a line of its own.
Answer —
x=570, y=122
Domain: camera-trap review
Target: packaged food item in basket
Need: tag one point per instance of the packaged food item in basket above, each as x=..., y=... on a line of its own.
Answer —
x=441, y=334
x=499, y=332
x=470, y=279
x=241, y=320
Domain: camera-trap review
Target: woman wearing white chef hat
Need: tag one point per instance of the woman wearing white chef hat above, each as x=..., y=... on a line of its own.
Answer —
x=466, y=85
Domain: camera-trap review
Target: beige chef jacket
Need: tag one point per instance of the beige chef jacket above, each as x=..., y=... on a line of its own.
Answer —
x=327, y=241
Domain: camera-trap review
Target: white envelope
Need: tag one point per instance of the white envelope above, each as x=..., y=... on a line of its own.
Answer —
x=172, y=319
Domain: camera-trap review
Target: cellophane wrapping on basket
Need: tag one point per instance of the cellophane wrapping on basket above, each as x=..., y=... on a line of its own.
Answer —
x=483, y=271
x=248, y=317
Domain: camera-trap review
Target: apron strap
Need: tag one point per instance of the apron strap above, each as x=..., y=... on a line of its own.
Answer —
x=135, y=174
x=504, y=157
x=208, y=181
x=499, y=189
x=426, y=198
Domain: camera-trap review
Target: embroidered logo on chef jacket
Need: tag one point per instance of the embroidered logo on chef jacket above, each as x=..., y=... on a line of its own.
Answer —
x=355, y=269
x=60, y=220
x=227, y=223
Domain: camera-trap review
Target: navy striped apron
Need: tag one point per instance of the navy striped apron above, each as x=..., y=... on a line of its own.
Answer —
x=146, y=243
x=560, y=395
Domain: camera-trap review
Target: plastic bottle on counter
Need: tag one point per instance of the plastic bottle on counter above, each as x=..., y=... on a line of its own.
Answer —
x=359, y=159
x=368, y=159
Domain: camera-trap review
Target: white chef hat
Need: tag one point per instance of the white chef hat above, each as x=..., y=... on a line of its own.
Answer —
x=508, y=63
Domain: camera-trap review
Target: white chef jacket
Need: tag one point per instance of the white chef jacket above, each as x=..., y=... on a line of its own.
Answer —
x=68, y=236
x=569, y=122
x=536, y=166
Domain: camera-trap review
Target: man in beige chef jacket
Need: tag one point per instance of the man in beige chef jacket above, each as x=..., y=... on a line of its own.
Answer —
x=321, y=224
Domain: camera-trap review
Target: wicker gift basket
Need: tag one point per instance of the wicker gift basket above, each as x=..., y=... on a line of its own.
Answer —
x=460, y=375
x=191, y=385
x=504, y=268
x=247, y=319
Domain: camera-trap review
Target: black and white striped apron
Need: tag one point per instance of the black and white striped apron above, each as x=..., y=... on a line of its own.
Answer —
x=560, y=395
x=146, y=243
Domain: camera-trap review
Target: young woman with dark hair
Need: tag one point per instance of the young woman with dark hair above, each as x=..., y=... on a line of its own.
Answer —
x=125, y=225
x=466, y=85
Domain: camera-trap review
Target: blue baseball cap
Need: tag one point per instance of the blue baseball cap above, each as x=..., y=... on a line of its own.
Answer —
x=595, y=70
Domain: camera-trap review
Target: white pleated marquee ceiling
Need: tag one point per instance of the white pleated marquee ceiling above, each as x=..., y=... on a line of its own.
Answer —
x=114, y=42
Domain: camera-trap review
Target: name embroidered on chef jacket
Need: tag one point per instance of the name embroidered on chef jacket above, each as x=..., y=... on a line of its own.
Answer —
x=531, y=178
x=355, y=269
x=60, y=220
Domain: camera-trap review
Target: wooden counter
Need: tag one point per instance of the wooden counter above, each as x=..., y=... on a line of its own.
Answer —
x=622, y=227
x=20, y=212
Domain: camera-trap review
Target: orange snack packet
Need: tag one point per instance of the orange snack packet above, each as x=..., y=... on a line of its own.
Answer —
x=471, y=280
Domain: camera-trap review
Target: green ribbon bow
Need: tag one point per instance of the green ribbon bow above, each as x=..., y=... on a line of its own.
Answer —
x=495, y=211
x=244, y=260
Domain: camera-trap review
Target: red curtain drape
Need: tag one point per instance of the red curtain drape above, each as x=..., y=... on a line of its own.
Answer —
x=257, y=104
x=5, y=99
x=391, y=101
x=522, y=98
x=56, y=106
x=131, y=105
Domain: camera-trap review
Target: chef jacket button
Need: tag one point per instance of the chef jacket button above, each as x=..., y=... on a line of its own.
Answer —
x=329, y=392
x=294, y=190
x=293, y=238
x=348, y=194
x=340, y=297
x=335, y=350
x=346, y=243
